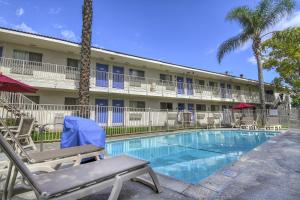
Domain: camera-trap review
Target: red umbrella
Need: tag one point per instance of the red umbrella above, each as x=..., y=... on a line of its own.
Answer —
x=11, y=85
x=242, y=106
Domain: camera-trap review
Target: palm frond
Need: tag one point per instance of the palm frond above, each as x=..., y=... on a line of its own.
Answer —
x=277, y=10
x=242, y=15
x=232, y=44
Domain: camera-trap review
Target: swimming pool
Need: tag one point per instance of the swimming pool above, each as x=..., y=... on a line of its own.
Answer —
x=193, y=155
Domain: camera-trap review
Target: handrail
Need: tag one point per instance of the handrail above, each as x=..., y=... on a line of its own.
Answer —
x=24, y=67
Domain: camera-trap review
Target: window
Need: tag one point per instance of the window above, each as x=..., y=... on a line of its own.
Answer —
x=166, y=80
x=71, y=101
x=36, y=57
x=237, y=87
x=137, y=104
x=269, y=92
x=211, y=83
x=214, y=108
x=136, y=77
x=35, y=99
x=166, y=105
x=200, y=82
x=25, y=68
x=72, y=62
x=72, y=69
x=165, y=77
x=137, y=73
x=1, y=51
x=200, y=107
x=29, y=56
x=224, y=107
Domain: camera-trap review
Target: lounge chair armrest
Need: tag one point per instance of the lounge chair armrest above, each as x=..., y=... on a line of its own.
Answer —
x=10, y=127
x=11, y=130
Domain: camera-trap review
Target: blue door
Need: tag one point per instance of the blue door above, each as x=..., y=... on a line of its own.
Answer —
x=191, y=109
x=118, y=77
x=102, y=112
x=180, y=85
x=118, y=111
x=189, y=82
x=101, y=75
x=181, y=107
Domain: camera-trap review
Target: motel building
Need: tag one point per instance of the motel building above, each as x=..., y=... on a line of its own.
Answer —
x=117, y=79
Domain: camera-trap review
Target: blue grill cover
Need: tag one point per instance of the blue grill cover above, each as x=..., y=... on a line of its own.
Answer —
x=80, y=131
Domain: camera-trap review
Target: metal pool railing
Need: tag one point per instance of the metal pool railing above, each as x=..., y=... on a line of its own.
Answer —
x=127, y=120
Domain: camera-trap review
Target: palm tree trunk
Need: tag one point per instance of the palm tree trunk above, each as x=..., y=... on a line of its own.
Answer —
x=256, y=46
x=85, y=61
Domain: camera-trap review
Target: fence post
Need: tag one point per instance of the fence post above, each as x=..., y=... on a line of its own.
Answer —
x=168, y=119
x=195, y=118
x=125, y=120
x=150, y=121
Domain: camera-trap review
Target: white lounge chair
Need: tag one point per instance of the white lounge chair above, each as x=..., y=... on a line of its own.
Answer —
x=248, y=123
x=23, y=132
x=273, y=123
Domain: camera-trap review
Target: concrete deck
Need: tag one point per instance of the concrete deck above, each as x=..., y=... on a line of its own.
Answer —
x=270, y=171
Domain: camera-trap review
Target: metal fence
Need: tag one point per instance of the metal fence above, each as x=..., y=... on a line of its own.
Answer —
x=125, y=120
x=59, y=75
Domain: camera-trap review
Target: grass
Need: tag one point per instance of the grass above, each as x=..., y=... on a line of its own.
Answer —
x=51, y=136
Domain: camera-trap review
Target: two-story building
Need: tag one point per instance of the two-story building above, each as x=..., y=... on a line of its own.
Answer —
x=118, y=79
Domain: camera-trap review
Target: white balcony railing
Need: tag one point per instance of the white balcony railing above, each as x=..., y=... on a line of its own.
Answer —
x=61, y=76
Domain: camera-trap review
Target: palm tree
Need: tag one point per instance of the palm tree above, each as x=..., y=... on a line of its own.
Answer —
x=255, y=22
x=85, y=54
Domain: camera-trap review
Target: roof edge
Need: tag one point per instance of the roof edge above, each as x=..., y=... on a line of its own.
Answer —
x=131, y=55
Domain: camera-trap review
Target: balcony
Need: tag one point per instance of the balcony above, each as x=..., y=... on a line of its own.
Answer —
x=64, y=77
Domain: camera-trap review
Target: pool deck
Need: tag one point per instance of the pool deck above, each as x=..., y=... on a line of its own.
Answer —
x=270, y=171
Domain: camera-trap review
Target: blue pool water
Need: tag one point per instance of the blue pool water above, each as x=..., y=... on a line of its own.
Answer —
x=190, y=156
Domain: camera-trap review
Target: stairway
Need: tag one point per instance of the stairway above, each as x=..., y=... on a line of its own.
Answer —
x=16, y=104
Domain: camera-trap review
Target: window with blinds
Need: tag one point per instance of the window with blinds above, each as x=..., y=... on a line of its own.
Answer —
x=72, y=71
x=136, y=77
x=166, y=105
x=166, y=80
x=137, y=104
x=71, y=101
x=200, y=107
x=214, y=108
x=35, y=99
x=165, y=77
x=199, y=86
x=26, y=62
x=29, y=56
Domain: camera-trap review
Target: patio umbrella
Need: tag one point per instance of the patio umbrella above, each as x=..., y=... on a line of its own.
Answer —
x=241, y=106
x=11, y=85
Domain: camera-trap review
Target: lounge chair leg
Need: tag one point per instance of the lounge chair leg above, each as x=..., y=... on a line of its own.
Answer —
x=12, y=183
x=31, y=143
x=116, y=189
x=155, y=180
x=154, y=186
x=5, y=187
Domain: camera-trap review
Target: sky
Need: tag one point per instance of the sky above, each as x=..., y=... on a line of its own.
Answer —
x=186, y=32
